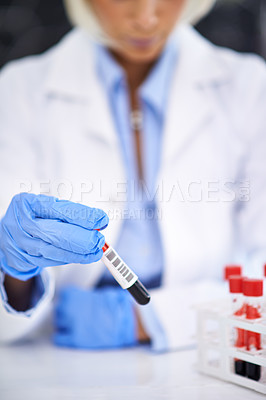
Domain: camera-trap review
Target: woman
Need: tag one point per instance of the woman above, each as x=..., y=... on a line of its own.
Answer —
x=137, y=116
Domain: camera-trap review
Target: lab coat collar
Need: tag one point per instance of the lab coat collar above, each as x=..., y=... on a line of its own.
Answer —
x=191, y=107
x=73, y=78
x=73, y=73
x=198, y=60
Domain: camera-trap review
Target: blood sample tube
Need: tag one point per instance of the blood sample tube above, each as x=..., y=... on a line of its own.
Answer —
x=124, y=275
x=253, y=292
x=238, y=310
x=264, y=277
x=264, y=291
x=232, y=270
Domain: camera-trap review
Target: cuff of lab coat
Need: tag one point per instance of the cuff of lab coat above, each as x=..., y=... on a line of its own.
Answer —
x=153, y=328
x=40, y=289
x=15, y=325
x=170, y=318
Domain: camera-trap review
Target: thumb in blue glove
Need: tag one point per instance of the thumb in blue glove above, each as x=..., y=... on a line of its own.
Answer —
x=41, y=231
x=95, y=319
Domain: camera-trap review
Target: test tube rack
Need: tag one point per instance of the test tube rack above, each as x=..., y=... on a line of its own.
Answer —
x=216, y=353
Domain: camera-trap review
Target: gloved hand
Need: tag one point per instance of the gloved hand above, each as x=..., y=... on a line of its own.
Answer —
x=40, y=231
x=95, y=319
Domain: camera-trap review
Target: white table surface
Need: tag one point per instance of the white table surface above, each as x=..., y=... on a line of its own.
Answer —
x=38, y=370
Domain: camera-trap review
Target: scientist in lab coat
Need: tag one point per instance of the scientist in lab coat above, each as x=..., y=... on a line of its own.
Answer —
x=136, y=125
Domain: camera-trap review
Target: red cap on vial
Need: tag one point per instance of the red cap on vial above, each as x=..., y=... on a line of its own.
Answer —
x=105, y=247
x=253, y=287
x=235, y=284
x=265, y=270
x=232, y=270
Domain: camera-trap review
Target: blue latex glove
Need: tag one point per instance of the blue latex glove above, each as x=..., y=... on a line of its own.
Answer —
x=41, y=231
x=95, y=319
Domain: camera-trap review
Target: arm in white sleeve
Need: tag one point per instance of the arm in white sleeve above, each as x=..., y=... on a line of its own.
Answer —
x=18, y=164
x=252, y=214
x=170, y=318
x=17, y=152
x=15, y=325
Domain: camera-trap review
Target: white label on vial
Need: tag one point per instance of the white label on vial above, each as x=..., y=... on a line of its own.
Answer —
x=118, y=268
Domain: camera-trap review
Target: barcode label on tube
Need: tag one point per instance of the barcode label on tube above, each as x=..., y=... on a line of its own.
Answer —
x=120, y=271
x=130, y=276
x=116, y=262
x=111, y=255
x=123, y=270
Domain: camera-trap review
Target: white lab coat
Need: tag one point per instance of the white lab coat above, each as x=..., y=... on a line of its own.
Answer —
x=56, y=126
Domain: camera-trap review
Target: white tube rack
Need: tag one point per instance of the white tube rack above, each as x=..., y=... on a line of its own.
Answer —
x=216, y=353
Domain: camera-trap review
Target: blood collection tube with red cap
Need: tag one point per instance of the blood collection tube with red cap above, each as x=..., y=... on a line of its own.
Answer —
x=253, y=292
x=232, y=270
x=238, y=310
x=126, y=278
x=264, y=290
x=264, y=277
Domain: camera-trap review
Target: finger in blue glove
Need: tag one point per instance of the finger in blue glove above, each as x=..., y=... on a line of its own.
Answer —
x=40, y=231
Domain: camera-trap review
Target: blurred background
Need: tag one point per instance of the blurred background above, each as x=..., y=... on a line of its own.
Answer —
x=32, y=26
